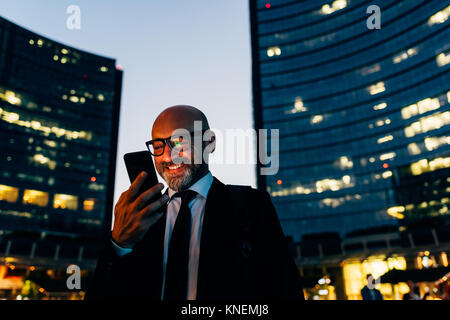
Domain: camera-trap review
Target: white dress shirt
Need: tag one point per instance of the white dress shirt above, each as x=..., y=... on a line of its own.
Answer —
x=197, y=207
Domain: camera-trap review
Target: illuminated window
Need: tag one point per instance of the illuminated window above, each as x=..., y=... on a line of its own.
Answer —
x=50, y=143
x=424, y=165
x=410, y=111
x=387, y=156
x=369, y=70
x=380, y=123
x=103, y=69
x=377, y=88
x=88, y=204
x=14, y=118
x=443, y=59
x=428, y=105
x=65, y=201
x=414, y=149
x=273, y=51
x=345, y=163
x=439, y=17
x=64, y=51
x=396, y=212
x=316, y=119
x=380, y=106
x=434, y=143
x=10, y=97
x=43, y=160
x=298, y=106
x=100, y=97
x=8, y=194
x=404, y=55
x=428, y=123
x=385, y=139
x=96, y=187
x=38, y=198
x=335, y=6
x=333, y=184
x=386, y=174
x=444, y=259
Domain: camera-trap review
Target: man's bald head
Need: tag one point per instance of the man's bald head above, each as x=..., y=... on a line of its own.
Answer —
x=177, y=117
x=181, y=175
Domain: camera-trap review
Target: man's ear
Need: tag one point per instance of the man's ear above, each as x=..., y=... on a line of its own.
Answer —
x=209, y=139
x=213, y=142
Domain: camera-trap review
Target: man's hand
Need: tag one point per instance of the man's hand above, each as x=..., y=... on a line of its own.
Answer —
x=132, y=217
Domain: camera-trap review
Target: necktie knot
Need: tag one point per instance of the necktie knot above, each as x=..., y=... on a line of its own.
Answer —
x=186, y=196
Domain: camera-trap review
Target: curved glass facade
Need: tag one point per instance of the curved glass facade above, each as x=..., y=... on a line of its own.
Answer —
x=59, y=113
x=363, y=114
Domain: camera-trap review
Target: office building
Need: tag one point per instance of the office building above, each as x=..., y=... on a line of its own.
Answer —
x=363, y=114
x=59, y=114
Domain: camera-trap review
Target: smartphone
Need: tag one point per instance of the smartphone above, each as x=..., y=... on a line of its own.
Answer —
x=136, y=162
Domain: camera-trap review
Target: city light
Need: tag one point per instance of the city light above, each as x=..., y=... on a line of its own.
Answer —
x=425, y=165
x=404, y=55
x=377, y=88
x=316, y=119
x=428, y=123
x=443, y=59
x=439, y=17
x=335, y=6
x=380, y=106
x=273, y=51
x=396, y=212
x=385, y=139
x=14, y=118
x=8, y=193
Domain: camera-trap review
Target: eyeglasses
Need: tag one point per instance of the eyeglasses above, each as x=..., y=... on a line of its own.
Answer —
x=157, y=146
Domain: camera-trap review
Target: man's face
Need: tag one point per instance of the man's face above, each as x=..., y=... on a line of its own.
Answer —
x=178, y=176
x=179, y=173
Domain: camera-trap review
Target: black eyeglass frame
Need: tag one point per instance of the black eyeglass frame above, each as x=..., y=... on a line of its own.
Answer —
x=167, y=141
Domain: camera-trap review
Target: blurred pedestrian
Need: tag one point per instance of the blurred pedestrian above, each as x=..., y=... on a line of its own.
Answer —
x=369, y=292
x=414, y=292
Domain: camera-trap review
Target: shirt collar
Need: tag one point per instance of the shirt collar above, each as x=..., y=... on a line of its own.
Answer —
x=201, y=186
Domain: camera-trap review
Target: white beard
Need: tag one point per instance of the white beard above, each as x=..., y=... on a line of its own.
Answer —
x=181, y=181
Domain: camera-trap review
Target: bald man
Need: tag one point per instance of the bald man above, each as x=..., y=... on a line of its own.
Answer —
x=203, y=240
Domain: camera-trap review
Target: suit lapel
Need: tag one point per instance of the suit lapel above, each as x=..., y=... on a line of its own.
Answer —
x=212, y=242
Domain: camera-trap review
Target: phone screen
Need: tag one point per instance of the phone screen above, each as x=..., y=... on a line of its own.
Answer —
x=136, y=162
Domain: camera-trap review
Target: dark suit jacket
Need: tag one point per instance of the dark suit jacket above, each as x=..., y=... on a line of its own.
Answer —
x=366, y=294
x=228, y=269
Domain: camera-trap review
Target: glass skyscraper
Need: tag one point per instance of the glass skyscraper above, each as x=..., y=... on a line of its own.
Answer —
x=363, y=114
x=59, y=115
